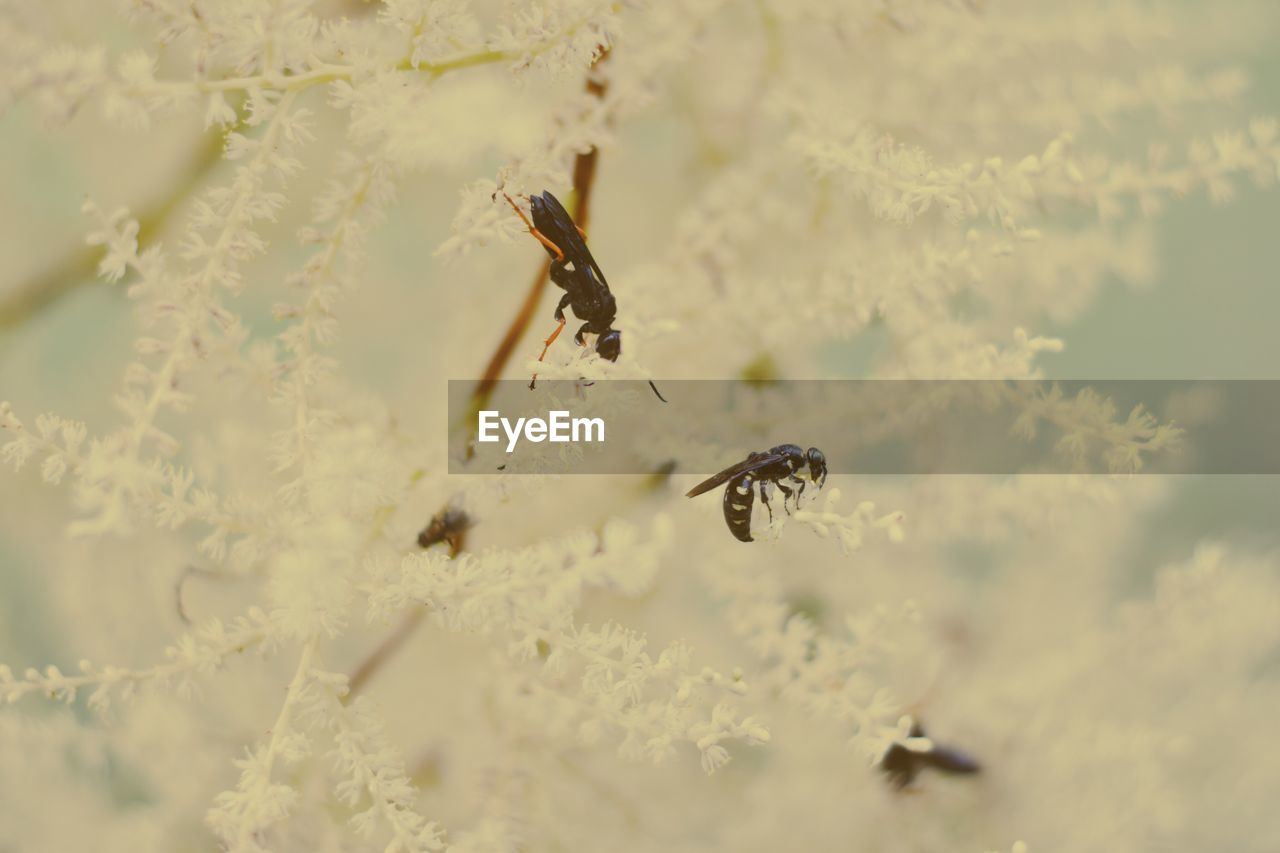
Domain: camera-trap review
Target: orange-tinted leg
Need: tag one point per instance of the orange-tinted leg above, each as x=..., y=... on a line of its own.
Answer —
x=542, y=238
x=546, y=345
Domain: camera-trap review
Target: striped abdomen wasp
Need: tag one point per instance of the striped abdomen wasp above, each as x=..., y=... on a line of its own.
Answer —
x=779, y=467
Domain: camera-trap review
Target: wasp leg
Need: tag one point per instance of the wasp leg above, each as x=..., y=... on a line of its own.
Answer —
x=793, y=493
x=542, y=238
x=564, y=303
x=546, y=345
x=787, y=493
x=766, y=497
x=583, y=344
x=579, y=337
x=581, y=233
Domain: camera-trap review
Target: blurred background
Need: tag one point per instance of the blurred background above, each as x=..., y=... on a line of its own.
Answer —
x=1209, y=312
x=414, y=321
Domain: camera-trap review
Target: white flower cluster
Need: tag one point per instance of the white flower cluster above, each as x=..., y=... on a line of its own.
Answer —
x=949, y=182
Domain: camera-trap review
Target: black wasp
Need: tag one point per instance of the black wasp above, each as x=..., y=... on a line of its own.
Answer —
x=575, y=271
x=780, y=466
x=904, y=760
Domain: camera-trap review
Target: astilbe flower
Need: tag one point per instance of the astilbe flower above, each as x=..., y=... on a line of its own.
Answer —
x=569, y=672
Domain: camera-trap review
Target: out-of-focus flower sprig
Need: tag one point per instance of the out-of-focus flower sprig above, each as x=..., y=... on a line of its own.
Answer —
x=828, y=674
x=533, y=594
x=196, y=654
x=850, y=527
x=900, y=183
x=1088, y=423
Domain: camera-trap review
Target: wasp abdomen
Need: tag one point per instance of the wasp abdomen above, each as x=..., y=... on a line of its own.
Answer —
x=739, y=498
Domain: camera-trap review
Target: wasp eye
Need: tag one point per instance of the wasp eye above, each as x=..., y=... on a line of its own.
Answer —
x=610, y=345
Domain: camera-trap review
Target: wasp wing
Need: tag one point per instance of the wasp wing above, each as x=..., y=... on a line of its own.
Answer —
x=552, y=219
x=567, y=236
x=950, y=760
x=733, y=471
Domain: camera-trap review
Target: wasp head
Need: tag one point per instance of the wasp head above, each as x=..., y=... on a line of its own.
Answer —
x=609, y=346
x=817, y=466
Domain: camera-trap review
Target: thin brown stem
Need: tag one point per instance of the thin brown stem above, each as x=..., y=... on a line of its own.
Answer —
x=369, y=667
x=584, y=166
x=510, y=340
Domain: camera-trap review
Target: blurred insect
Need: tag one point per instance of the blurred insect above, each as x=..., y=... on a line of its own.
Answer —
x=575, y=271
x=660, y=476
x=905, y=759
x=779, y=467
x=449, y=525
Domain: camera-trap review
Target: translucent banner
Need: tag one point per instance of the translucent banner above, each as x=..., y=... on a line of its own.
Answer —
x=870, y=426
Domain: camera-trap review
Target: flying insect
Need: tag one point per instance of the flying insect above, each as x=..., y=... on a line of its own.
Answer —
x=904, y=760
x=780, y=466
x=574, y=270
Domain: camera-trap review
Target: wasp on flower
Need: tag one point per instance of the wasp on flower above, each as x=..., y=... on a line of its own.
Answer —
x=574, y=270
x=780, y=466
